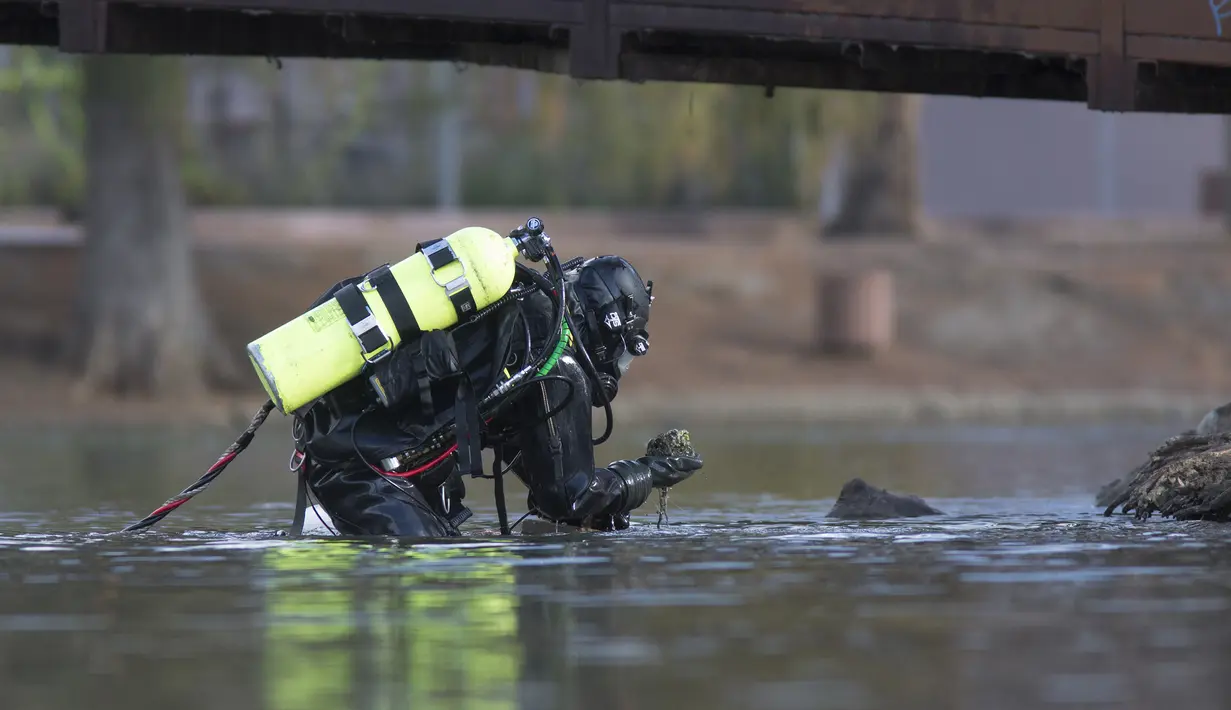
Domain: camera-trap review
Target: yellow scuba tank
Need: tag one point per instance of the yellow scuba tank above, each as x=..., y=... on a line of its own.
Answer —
x=445, y=281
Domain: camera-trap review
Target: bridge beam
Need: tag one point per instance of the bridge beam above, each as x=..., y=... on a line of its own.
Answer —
x=83, y=26
x=1115, y=55
x=594, y=46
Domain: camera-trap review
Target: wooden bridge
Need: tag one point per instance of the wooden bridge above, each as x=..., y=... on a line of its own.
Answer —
x=1117, y=55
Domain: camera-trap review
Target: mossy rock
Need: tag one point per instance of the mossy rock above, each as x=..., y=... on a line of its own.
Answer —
x=674, y=442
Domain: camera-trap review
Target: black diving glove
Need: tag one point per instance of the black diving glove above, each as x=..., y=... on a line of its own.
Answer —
x=667, y=471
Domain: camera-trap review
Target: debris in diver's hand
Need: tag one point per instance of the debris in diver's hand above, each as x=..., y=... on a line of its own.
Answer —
x=673, y=442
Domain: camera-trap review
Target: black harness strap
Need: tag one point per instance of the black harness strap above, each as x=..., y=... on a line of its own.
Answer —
x=468, y=431
x=395, y=302
x=600, y=349
x=439, y=255
x=301, y=502
x=502, y=511
x=436, y=361
x=426, y=401
x=371, y=337
x=299, y=466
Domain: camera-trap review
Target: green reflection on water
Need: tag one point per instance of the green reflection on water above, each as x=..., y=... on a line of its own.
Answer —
x=367, y=628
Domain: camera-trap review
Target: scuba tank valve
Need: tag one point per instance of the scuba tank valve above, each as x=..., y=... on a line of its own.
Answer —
x=530, y=240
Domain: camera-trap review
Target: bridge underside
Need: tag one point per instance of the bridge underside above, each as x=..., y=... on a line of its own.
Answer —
x=1119, y=55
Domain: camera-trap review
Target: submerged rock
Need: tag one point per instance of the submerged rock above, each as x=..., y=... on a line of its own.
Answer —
x=534, y=526
x=860, y=500
x=1187, y=478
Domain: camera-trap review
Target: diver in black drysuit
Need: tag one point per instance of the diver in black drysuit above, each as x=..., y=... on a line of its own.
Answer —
x=343, y=438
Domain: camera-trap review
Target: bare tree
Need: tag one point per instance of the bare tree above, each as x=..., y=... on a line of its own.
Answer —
x=880, y=194
x=141, y=325
x=1226, y=174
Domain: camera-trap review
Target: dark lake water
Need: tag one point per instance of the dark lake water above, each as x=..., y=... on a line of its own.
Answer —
x=1021, y=596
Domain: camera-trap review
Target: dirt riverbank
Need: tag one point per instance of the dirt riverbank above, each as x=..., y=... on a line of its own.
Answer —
x=46, y=396
x=1041, y=322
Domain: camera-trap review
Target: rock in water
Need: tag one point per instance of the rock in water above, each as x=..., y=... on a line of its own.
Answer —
x=859, y=500
x=1187, y=478
x=675, y=442
x=533, y=526
x=1111, y=491
x=1217, y=421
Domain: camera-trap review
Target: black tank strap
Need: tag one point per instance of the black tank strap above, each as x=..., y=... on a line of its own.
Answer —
x=439, y=255
x=395, y=301
x=374, y=343
x=438, y=252
x=463, y=302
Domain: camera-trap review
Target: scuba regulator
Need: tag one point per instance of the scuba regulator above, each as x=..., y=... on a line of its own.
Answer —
x=602, y=301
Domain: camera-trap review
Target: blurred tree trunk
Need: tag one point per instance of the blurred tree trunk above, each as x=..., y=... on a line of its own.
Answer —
x=1226, y=174
x=880, y=194
x=142, y=328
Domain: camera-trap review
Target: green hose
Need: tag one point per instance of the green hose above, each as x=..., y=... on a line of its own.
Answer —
x=551, y=361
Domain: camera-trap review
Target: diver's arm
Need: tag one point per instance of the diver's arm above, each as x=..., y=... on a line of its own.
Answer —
x=557, y=458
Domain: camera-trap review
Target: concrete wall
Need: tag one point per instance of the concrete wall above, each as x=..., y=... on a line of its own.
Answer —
x=248, y=289
x=1017, y=158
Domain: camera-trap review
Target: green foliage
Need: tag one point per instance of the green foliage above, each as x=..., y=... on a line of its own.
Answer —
x=350, y=93
x=330, y=139
x=669, y=144
x=43, y=88
x=44, y=129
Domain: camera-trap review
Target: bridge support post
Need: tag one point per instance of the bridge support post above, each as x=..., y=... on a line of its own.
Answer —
x=83, y=26
x=1111, y=78
x=594, y=47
